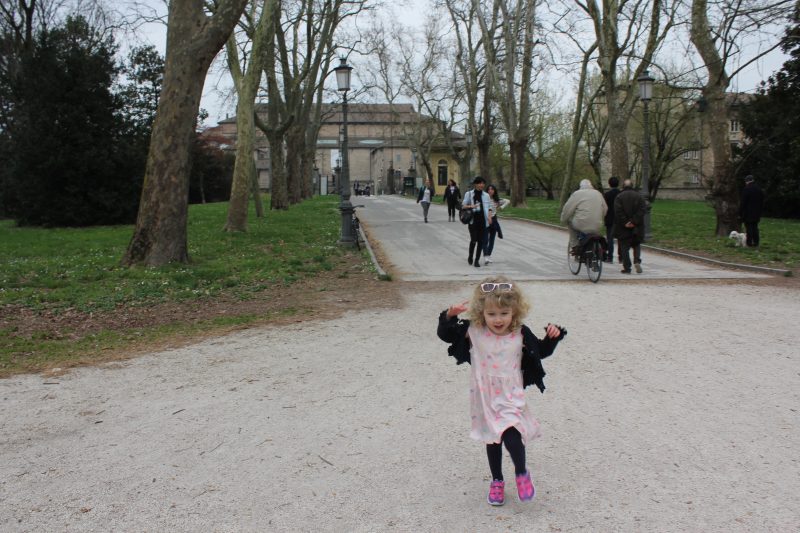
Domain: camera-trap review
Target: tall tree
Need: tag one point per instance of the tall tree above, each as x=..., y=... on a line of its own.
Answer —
x=69, y=140
x=246, y=81
x=510, y=75
x=624, y=33
x=193, y=39
x=771, y=152
x=718, y=31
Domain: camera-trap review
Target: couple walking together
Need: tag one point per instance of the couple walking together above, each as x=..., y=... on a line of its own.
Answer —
x=621, y=212
x=484, y=227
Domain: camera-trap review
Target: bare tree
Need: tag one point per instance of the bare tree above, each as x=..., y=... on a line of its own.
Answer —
x=255, y=28
x=624, y=34
x=510, y=76
x=194, y=37
x=719, y=31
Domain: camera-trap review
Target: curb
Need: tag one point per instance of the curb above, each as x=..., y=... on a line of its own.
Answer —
x=381, y=272
x=737, y=266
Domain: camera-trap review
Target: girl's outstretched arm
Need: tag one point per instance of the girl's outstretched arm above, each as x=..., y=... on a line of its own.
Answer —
x=553, y=334
x=457, y=309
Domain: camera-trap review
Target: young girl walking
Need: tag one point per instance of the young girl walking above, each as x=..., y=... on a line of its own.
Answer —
x=505, y=357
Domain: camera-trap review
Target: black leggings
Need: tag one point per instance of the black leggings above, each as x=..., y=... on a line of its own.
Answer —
x=477, y=237
x=513, y=441
x=451, y=208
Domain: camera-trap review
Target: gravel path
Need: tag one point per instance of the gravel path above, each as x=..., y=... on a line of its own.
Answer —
x=670, y=407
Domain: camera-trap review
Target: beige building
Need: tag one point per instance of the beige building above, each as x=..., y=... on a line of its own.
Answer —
x=378, y=147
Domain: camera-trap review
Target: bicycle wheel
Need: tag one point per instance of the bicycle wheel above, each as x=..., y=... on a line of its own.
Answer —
x=573, y=261
x=594, y=261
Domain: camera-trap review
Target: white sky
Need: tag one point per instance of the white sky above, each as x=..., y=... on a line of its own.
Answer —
x=413, y=15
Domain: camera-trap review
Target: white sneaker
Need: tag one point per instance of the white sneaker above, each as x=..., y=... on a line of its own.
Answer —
x=487, y=259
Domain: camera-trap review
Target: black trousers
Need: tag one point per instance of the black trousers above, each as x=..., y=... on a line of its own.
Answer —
x=624, y=251
x=451, y=208
x=513, y=441
x=753, y=238
x=477, y=237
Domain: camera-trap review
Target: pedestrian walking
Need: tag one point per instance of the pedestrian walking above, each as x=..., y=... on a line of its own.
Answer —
x=452, y=196
x=477, y=201
x=750, y=210
x=505, y=357
x=609, y=196
x=584, y=212
x=495, y=230
x=629, y=211
x=426, y=194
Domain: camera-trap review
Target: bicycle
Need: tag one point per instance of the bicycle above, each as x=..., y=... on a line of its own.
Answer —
x=590, y=251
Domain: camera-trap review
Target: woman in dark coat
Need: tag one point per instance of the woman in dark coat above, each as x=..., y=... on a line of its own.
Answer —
x=452, y=196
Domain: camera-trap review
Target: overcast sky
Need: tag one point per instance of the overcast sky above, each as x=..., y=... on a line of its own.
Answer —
x=218, y=82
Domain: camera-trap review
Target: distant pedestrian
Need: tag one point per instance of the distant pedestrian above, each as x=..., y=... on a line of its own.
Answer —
x=750, y=210
x=426, y=194
x=505, y=357
x=610, y=195
x=629, y=212
x=495, y=230
x=477, y=201
x=452, y=196
x=584, y=212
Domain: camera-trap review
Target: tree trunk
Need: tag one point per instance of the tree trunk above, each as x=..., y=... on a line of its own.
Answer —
x=193, y=39
x=256, y=190
x=243, y=167
x=724, y=196
x=518, y=148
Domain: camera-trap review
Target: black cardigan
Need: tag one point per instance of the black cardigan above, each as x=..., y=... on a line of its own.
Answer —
x=454, y=332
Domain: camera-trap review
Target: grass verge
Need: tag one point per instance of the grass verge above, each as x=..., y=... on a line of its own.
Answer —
x=689, y=227
x=64, y=296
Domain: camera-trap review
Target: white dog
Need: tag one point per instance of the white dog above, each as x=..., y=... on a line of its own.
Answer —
x=739, y=239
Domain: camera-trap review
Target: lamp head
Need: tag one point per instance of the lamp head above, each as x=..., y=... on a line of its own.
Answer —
x=645, y=86
x=343, y=75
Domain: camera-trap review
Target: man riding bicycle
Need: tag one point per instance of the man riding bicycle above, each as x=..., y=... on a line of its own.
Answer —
x=584, y=212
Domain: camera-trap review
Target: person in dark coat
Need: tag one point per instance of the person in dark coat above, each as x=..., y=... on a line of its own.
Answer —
x=609, y=196
x=629, y=212
x=750, y=210
x=452, y=195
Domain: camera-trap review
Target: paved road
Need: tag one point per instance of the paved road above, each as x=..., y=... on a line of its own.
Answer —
x=528, y=252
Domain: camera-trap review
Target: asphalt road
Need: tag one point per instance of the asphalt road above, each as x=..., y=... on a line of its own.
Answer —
x=528, y=251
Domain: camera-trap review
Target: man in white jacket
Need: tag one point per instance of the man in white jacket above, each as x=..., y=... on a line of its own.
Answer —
x=584, y=212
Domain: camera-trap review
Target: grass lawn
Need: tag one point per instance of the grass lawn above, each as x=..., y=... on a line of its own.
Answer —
x=69, y=276
x=689, y=227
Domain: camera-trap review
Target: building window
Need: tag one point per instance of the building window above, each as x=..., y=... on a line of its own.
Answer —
x=442, y=176
x=691, y=154
x=694, y=179
x=734, y=126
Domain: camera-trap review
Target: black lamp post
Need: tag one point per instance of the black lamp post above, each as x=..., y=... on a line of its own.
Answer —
x=645, y=95
x=467, y=157
x=345, y=207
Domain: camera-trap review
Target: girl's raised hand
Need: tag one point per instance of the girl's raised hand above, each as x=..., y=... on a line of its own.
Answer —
x=457, y=309
x=552, y=331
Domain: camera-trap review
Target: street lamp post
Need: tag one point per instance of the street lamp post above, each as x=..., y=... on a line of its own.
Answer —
x=345, y=207
x=645, y=95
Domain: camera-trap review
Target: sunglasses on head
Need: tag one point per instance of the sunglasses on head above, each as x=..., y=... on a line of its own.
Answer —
x=490, y=287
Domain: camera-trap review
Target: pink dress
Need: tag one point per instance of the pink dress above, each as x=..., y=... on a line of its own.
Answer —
x=497, y=397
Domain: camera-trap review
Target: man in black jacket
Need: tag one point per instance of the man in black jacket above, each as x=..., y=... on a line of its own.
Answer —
x=610, y=195
x=750, y=209
x=629, y=211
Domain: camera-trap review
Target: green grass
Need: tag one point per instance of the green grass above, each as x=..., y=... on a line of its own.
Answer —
x=78, y=269
x=689, y=227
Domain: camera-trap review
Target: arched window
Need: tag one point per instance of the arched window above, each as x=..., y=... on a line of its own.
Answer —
x=442, y=172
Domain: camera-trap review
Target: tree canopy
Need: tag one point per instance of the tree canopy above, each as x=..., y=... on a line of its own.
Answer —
x=771, y=123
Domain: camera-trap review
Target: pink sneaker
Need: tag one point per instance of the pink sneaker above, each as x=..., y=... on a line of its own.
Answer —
x=497, y=493
x=525, y=487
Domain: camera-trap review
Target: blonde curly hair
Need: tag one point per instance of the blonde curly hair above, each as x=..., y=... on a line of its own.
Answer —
x=513, y=298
